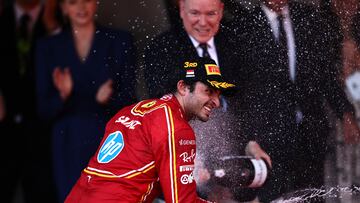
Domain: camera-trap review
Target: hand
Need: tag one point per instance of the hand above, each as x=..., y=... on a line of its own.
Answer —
x=2, y=108
x=104, y=92
x=63, y=82
x=203, y=175
x=254, y=149
x=351, y=130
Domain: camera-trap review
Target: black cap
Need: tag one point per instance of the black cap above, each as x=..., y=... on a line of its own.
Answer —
x=205, y=70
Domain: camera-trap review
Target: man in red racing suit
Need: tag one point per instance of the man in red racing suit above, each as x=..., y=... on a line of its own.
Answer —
x=149, y=147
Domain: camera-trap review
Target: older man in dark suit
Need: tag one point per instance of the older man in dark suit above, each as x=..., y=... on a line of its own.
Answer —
x=288, y=78
x=200, y=31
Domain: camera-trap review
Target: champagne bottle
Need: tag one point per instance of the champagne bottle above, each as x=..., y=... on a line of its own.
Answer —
x=240, y=171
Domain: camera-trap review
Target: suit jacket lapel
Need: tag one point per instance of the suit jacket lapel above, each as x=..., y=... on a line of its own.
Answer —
x=186, y=45
x=220, y=48
x=264, y=26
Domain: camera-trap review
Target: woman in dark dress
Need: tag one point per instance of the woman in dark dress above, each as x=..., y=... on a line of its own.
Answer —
x=84, y=74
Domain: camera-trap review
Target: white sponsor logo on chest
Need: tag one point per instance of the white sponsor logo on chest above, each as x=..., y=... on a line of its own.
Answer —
x=188, y=157
x=187, y=179
x=187, y=142
x=187, y=168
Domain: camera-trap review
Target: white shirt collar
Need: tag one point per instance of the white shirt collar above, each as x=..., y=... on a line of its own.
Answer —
x=271, y=15
x=211, y=48
x=210, y=43
x=33, y=13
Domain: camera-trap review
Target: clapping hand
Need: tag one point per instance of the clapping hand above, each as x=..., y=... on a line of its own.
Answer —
x=105, y=91
x=63, y=81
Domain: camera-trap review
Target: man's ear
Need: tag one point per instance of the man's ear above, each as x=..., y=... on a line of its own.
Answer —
x=181, y=8
x=221, y=9
x=182, y=87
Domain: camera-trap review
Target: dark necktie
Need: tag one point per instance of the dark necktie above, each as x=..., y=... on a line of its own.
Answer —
x=23, y=43
x=281, y=50
x=282, y=43
x=205, y=52
x=24, y=27
x=282, y=33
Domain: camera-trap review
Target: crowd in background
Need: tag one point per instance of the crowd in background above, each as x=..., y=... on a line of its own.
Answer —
x=63, y=75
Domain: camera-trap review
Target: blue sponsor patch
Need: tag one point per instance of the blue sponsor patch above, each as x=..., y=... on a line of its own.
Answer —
x=112, y=147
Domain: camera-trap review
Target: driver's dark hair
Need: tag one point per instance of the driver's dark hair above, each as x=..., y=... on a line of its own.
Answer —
x=173, y=87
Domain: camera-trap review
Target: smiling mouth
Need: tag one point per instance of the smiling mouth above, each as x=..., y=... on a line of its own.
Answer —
x=81, y=14
x=203, y=31
x=208, y=110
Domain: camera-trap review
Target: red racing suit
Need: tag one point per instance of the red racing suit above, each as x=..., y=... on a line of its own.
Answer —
x=148, y=147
